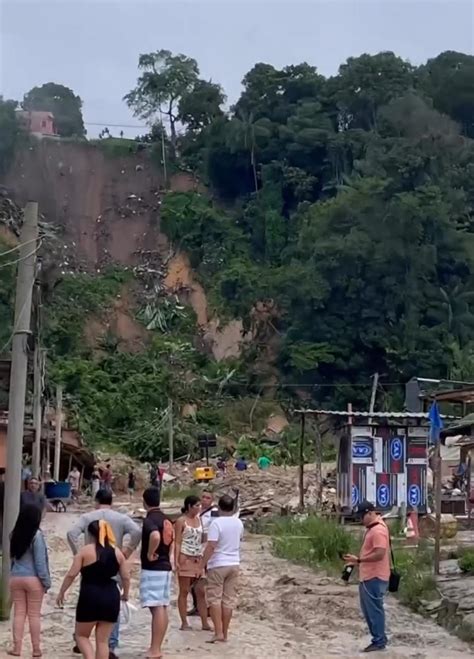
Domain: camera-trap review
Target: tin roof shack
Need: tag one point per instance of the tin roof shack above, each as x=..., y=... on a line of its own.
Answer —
x=458, y=493
x=382, y=457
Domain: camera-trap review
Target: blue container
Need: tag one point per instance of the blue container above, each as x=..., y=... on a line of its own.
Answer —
x=58, y=490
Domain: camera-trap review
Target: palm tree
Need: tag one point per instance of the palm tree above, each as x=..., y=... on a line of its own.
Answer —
x=244, y=132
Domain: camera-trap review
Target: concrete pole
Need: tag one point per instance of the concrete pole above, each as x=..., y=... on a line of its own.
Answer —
x=19, y=371
x=38, y=421
x=59, y=421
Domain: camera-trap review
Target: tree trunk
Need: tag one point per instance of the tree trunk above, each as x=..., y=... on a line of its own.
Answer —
x=254, y=167
x=173, y=138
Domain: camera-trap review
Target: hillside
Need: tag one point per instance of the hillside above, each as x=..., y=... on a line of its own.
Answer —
x=331, y=237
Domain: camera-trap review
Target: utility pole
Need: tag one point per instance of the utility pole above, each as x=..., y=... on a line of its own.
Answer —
x=16, y=405
x=37, y=416
x=438, y=493
x=170, y=432
x=58, y=429
x=375, y=384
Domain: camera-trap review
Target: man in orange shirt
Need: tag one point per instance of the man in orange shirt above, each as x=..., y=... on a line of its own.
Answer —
x=374, y=573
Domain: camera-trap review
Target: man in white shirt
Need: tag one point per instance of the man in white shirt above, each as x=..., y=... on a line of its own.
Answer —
x=222, y=559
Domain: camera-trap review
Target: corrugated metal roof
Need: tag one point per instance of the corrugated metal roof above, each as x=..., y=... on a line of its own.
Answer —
x=373, y=415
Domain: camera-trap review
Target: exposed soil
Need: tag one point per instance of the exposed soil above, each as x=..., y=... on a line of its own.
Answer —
x=285, y=611
x=108, y=207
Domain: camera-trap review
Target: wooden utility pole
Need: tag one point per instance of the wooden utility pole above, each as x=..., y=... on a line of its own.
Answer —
x=58, y=429
x=438, y=472
x=170, y=433
x=375, y=384
x=318, y=457
x=19, y=371
x=301, y=464
x=37, y=406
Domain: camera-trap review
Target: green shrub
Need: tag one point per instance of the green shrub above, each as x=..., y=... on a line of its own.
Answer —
x=313, y=541
x=466, y=561
x=417, y=578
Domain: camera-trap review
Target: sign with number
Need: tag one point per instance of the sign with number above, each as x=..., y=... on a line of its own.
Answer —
x=362, y=450
x=383, y=495
x=414, y=495
x=354, y=496
x=396, y=448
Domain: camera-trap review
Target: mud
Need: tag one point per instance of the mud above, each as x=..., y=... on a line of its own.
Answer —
x=285, y=611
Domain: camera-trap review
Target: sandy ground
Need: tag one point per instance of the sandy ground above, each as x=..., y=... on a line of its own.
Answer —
x=285, y=611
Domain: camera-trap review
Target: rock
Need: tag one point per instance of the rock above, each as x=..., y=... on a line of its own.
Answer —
x=467, y=627
x=432, y=606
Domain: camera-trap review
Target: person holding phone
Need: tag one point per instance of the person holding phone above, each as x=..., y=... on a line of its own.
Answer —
x=374, y=573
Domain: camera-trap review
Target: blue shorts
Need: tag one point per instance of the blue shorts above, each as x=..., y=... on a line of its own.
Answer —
x=155, y=588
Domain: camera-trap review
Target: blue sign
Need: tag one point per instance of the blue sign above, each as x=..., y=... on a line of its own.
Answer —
x=396, y=448
x=383, y=495
x=354, y=495
x=414, y=495
x=361, y=450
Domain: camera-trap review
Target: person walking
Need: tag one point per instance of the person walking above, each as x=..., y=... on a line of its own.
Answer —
x=122, y=525
x=74, y=480
x=30, y=578
x=107, y=478
x=374, y=573
x=131, y=483
x=222, y=560
x=188, y=560
x=95, y=481
x=155, y=579
x=32, y=495
x=98, y=606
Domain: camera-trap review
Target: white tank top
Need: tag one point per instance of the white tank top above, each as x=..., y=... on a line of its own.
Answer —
x=191, y=541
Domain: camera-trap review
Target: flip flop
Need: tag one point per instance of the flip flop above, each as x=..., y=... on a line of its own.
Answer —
x=216, y=640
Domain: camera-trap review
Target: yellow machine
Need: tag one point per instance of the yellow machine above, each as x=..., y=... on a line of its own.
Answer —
x=204, y=474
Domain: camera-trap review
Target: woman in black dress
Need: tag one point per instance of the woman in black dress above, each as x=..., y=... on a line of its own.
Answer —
x=98, y=605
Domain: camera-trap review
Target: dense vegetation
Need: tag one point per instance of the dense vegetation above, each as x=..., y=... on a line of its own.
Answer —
x=350, y=205
x=343, y=203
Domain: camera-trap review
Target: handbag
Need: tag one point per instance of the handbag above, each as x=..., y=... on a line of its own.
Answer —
x=394, y=579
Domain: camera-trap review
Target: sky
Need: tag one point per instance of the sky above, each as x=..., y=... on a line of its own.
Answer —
x=92, y=46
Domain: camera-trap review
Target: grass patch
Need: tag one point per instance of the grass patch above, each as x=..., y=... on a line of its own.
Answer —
x=313, y=541
x=418, y=581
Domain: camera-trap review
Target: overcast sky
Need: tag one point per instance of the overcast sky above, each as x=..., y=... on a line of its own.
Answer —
x=93, y=46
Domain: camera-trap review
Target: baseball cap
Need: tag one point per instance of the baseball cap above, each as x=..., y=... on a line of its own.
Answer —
x=365, y=507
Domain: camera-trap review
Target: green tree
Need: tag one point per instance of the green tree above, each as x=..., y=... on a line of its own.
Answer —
x=62, y=103
x=365, y=83
x=165, y=80
x=9, y=133
x=201, y=105
x=449, y=80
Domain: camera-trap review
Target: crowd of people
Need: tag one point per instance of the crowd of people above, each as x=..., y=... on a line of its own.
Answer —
x=202, y=547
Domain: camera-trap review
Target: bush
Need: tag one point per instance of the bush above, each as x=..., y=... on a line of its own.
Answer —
x=417, y=578
x=466, y=561
x=313, y=541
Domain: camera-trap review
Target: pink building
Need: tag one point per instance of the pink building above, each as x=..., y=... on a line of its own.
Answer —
x=37, y=122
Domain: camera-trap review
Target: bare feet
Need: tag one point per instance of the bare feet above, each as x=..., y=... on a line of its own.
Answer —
x=186, y=628
x=13, y=653
x=207, y=628
x=216, y=639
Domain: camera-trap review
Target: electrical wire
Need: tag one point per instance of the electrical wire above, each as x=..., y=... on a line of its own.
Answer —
x=22, y=258
x=19, y=246
x=15, y=327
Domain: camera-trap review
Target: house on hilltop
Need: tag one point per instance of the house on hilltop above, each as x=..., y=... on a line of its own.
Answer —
x=37, y=123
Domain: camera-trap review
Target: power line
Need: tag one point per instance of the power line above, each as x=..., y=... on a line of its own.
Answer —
x=19, y=246
x=106, y=125
x=22, y=258
x=15, y=327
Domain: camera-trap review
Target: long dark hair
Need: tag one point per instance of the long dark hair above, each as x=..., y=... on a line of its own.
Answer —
x=189, y=502
x=26, y=527
x=94, y=531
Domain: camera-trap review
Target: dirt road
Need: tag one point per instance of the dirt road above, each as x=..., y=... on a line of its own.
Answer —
x=285, y=611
